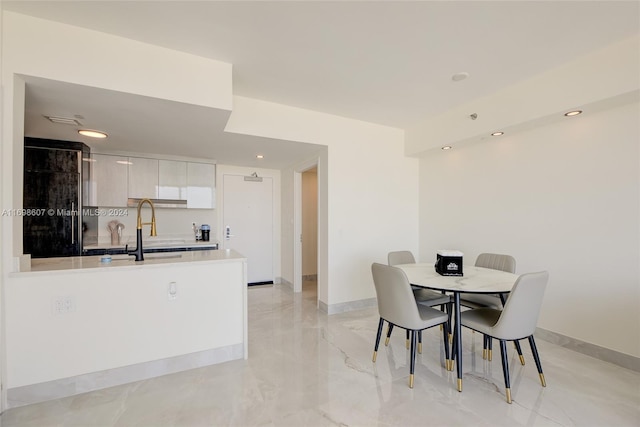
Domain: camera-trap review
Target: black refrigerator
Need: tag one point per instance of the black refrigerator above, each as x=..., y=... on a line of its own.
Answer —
x=55, y=187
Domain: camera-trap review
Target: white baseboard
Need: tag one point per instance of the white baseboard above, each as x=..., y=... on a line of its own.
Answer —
x=347, y=306
x=602, y=353
x=25, y=395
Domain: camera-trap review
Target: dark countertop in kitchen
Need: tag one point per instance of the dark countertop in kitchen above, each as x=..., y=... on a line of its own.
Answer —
x=154, y=246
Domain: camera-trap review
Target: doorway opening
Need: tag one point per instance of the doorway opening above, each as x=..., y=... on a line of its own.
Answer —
x=306, y=229
x=309, y=235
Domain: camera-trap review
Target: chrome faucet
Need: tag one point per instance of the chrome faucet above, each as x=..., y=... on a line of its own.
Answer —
x=138, y=251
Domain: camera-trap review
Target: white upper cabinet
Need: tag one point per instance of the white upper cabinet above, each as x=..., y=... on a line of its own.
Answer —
x=201, y=185
x=143, y=178
x=172, y=180
x=115, y=179
x=108, y=181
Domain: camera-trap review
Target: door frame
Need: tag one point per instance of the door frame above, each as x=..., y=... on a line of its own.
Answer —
x=297, y=220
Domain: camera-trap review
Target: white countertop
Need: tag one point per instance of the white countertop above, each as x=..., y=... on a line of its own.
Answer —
x=93, y=263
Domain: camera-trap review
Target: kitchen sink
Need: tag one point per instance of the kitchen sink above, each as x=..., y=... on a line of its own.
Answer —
x=158, y=255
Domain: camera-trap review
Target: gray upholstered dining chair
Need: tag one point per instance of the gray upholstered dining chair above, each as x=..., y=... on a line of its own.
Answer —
x=397, y=305
x=423, y=296
x=496, y=262
x=517, y=320
x=400, y=257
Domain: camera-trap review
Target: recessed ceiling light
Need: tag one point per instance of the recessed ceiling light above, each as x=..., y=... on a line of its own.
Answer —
x=92, y=133
x=497, y=133
x=447, y=147
x=573, y=113
x=457, y=77
x=259, y=156
x=124, y=162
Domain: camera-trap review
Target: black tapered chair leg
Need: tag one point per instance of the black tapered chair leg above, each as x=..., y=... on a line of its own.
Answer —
x=445, y=338
x=536, y=358
x=375, y=349
x=389, y=330
x=505, y=369
x=413, y=358
x=519, y=350
x=407, y=338
x=454, y=347
x=449, y=311
x=449, y=324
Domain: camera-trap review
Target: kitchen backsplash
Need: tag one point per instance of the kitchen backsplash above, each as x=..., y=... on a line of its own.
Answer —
x=169, y=222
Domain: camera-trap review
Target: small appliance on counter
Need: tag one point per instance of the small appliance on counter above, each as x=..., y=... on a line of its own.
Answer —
x=202, y=233
x=205, y=230
x=449, y=262
x=197, y=232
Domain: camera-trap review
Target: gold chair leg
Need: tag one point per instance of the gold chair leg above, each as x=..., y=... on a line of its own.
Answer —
x=407, y=345
x=522, y=360
x=375, y=355
x=386, y=342
x=508, y=395
x=420, y=347
x=490, y=355
x=544, y=383
x=410, y=380
x=459, y=384
x=484, y=353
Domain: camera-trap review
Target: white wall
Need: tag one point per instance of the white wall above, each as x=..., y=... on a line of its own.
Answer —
x=2, y=244
x=563, y=198
x=367, y=186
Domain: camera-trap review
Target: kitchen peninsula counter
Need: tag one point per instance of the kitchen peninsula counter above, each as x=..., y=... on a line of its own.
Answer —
x=76, y=324
x=63, y=264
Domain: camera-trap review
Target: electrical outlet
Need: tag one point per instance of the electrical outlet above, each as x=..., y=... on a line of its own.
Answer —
x=63, y=305
x=172, y=291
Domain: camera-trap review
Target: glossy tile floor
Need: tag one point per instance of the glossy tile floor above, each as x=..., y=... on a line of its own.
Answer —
x=309, y=369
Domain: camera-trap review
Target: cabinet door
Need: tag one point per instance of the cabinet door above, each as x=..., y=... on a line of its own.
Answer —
x=143, y=178
x=172, y=180
x=108, y=181
x=201, y=185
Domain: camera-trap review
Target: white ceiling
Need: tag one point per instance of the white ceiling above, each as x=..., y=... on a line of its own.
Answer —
x=144, y=125
x=384, y=62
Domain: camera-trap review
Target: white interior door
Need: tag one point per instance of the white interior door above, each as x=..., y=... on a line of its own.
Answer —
x=248, y=223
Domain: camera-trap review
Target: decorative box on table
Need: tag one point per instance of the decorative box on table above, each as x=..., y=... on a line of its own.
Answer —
x=449, y=262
